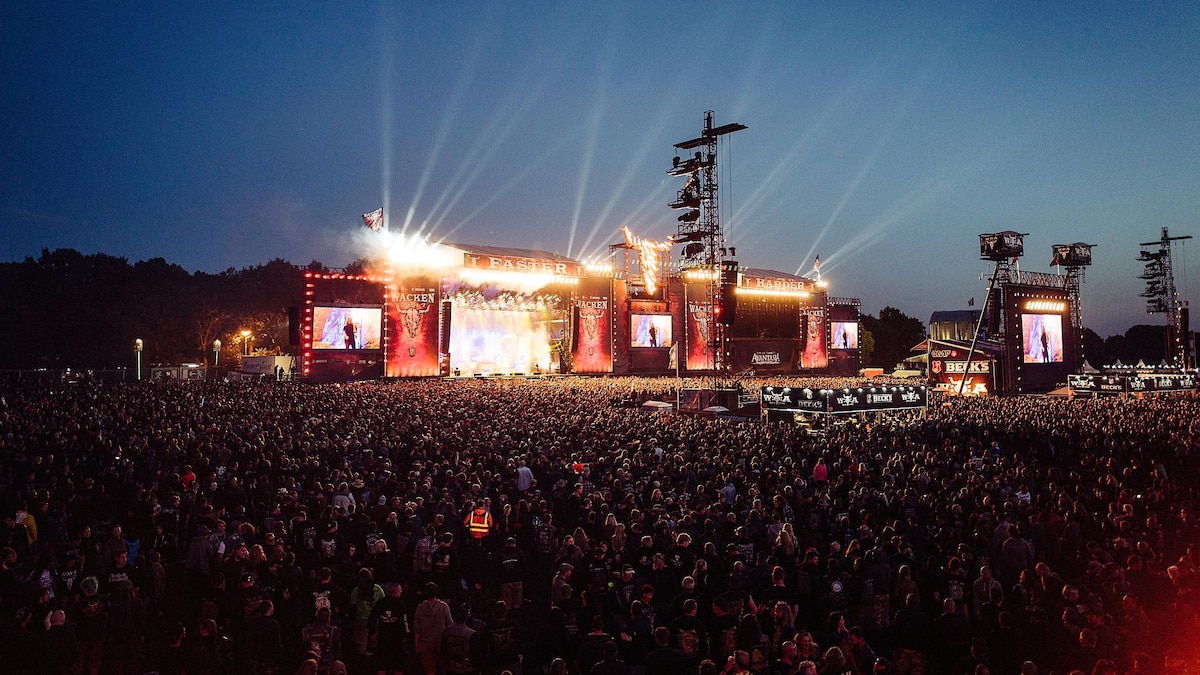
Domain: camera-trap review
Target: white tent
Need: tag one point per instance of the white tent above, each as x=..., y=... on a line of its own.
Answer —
x=658, y=405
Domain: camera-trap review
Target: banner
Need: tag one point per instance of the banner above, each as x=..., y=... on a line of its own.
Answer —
x=593, y=330
x=814, y=354
x=1133, y=384
x=413, y=329
x=764, y=356
x=794, y=398
x=701, y=328
x=872, y=399
x=844, y=401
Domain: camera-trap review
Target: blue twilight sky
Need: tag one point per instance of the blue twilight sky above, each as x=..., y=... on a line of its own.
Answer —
x=884, y=137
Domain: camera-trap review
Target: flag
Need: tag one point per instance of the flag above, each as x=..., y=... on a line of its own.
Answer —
x=374, y=219
x=817, y=264
x=971, y=302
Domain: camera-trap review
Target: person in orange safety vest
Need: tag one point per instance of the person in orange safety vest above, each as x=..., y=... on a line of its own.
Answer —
x=479, y=521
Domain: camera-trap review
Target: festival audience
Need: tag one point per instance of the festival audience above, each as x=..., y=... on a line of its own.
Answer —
x=222, y=527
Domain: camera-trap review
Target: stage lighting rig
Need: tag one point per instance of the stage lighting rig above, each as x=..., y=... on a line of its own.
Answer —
x=1074, y=257
x=1162, y=297
x=700, y=225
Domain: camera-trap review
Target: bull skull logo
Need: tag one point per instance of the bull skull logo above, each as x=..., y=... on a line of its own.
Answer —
x=590, y=318
x=411, y=314
x=814, y=328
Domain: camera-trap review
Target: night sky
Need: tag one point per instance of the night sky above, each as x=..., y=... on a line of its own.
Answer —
x=884, y=137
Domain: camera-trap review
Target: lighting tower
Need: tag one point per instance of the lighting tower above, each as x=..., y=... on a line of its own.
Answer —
x=699, y=229
x=1005, y=250
x=1162, y=298
x=1074, y=257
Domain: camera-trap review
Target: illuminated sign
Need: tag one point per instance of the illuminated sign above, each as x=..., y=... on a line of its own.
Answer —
x=775, y=284
x=1045, y=306
x=513, y=264
x=977, y=367
x=971, y=388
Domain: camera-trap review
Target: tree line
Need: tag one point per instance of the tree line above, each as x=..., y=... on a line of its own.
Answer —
x=70, y=310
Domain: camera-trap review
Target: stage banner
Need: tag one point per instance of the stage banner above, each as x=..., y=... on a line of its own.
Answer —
x=592, y=337
x=764, y=356
x=1150, y=382
x=413, y=329
x=814, y=354
x=794, y=398
x=1131, y=384
x=872, y=399
x=701, y=328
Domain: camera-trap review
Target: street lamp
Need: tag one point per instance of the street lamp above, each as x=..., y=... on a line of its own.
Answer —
x=216, y=352
x=137, y=350
x=246, y=343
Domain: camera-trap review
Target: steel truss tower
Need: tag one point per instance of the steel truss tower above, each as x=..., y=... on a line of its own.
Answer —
x=1162, y=297
x=699, y=231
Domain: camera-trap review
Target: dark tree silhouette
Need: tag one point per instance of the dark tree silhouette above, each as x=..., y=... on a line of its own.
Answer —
x=70, y=310
x=895, y=334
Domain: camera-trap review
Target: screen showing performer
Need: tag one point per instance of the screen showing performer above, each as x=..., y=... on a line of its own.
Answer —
x=650, y=330
x=1042, y=338
x=350, y=328
x=844, y=334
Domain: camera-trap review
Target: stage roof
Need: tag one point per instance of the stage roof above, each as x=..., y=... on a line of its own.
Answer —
x=504, y=251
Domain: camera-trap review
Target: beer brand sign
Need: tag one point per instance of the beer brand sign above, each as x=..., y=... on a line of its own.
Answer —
x=835, y=401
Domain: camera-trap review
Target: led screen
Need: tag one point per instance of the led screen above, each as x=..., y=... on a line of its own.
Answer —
x=494, y=341
x=346, y=327
x=1042, y=338
x=650, y=330
x=844, y=334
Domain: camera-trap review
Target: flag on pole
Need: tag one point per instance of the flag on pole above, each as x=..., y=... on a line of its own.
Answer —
x=817, y=264
x=374, y=219
x=971, y=302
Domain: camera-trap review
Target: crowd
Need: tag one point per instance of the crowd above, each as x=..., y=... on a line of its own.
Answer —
x=546, y=527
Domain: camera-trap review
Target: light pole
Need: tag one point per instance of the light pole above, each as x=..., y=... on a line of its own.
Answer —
x=216, y=352
x=137, y=350
x=246, y=343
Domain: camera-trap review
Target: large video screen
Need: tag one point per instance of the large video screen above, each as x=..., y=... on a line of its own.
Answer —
x=1042, y=338
x=650, y=330
x=494, y=341
x=844, y=334
x=346, y=327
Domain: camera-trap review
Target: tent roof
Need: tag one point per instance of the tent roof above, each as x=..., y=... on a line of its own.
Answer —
x=982, y=349
x=955, y=316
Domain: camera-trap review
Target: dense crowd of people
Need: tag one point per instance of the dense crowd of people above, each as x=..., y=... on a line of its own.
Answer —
x=546, y=526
